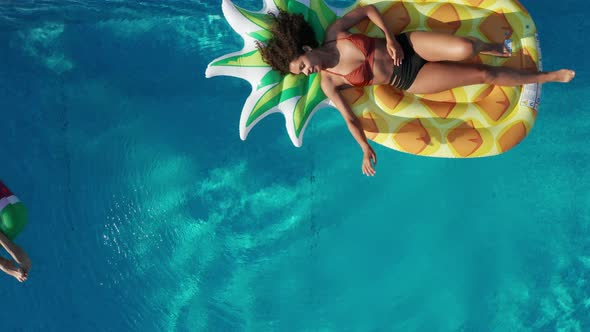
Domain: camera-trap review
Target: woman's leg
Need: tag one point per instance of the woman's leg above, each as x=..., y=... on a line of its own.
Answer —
x=9, y=268
x=437, y=46
x=17, y=253
x=440, y=76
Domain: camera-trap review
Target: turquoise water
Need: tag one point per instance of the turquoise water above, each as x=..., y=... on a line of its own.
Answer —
x=147, y=212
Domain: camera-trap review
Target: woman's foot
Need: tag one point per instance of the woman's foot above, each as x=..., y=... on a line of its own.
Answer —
x=500, y=50
x=23, y=260
x=20, y=274
x=564, y=75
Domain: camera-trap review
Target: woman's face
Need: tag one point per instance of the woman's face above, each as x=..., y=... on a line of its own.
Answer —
x=305, y=64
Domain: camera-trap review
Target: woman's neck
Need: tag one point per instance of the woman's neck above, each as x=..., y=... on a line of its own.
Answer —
x=328, y=55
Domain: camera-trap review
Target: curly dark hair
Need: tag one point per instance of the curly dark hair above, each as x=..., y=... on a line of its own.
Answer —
x=290, y=32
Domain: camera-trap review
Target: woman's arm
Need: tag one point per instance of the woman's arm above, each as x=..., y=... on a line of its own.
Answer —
x=356, y=16
x=354, y=126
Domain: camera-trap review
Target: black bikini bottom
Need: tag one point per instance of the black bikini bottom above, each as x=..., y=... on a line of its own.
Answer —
x=404, y=75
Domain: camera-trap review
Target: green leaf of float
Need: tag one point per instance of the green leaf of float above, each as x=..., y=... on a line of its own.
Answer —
x=262, y=20
x=281, y=4
x=326, y=15
x=262, y=35
x=310, y=16
x=271, y=77
x=282, y=88
x=307, y=103
x=295, y=84
x=250, y=59
x=288, y=88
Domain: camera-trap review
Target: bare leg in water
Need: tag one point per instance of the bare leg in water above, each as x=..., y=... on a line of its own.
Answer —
x=11, y=269
x=21, y=273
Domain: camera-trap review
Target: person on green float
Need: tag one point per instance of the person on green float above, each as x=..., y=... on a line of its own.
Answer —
x=13, y=219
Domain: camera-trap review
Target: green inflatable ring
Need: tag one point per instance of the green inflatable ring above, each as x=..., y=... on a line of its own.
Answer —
x=13, y=213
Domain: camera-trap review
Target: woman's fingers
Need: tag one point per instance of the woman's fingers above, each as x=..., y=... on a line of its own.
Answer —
x=368, y=170
x=398, y=55
x=395, y=58
x=369, y=159
x=394, y=53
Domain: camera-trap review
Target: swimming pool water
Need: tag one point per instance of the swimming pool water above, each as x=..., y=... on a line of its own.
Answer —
x=147, y=212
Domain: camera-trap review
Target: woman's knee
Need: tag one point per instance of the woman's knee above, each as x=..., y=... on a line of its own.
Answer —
x=487, y=74
x=461, y=49
x=464, y=48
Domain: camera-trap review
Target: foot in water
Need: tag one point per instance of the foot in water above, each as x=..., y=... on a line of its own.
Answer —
x=564, y=75
x=499, y=49
x=17, y=272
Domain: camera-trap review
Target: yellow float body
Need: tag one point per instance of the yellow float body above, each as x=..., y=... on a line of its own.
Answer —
x=472, y=121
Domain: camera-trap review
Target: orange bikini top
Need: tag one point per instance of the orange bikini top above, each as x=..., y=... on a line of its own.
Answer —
x=363, y=74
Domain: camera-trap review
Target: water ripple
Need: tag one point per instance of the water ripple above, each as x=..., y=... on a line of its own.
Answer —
x=16, y=15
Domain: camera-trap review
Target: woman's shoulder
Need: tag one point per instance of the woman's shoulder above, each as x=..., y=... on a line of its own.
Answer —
x=337, y=35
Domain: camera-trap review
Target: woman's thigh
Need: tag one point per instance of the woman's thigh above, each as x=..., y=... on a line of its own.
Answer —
x=438, y=46
x=441, y=76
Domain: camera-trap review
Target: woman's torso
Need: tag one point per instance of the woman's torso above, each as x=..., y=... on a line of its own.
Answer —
x=354, y=58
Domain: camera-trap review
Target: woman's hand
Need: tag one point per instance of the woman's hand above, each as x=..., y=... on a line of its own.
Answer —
x=395, y=51
x=369, y=161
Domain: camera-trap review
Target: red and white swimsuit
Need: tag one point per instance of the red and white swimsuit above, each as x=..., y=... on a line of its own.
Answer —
x=6, y=196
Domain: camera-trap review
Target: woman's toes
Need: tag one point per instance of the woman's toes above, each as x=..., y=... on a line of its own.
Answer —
x=565, y=75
